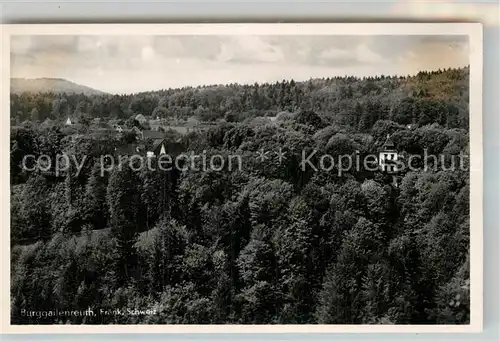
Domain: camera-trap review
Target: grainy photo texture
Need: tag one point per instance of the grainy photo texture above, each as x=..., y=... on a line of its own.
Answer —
x=239, y=179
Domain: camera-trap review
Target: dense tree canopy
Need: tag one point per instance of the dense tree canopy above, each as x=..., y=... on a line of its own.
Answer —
x=266, y=243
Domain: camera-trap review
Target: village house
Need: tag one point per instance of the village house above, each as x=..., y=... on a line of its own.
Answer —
x=102, y=133
x=157, y=148
x=151, y=134
x=130, y=149
x=141, y=119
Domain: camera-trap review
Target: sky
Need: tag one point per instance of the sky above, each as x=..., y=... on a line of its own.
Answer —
x=128, y=64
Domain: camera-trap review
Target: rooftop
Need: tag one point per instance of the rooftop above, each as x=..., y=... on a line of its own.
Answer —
x=152, y=134
x=129, y=149
x=388, y=144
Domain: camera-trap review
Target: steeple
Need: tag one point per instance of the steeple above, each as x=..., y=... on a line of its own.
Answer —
x=388, y=156
x=388, y=144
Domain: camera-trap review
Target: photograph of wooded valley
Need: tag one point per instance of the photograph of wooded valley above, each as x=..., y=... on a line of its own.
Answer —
x=309, y=179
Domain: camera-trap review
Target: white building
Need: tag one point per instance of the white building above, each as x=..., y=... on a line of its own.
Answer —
x=388, y=156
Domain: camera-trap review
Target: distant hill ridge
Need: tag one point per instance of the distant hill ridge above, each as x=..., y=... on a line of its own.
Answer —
x=55, y=85
x=346, y=101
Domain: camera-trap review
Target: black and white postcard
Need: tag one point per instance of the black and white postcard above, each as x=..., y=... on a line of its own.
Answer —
x=242, y=178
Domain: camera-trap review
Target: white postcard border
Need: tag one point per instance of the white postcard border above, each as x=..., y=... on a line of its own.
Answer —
x=472, y=30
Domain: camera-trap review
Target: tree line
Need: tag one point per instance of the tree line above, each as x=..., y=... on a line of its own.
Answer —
x=429, y=97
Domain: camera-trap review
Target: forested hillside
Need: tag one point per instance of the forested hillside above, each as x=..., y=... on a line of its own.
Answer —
x=55, y=85
x=268, y=243
x=429, y=97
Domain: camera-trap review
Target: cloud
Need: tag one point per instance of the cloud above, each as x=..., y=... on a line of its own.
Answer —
x=365, y=55
x=336, y=54
x=249, y=49
x=20, y=45
x=37, y=44
x=137, y=63
x=202, y=47
x=148, y=53
x=440, y=52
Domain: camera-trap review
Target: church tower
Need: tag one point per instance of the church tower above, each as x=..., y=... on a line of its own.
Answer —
x=388, y=156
